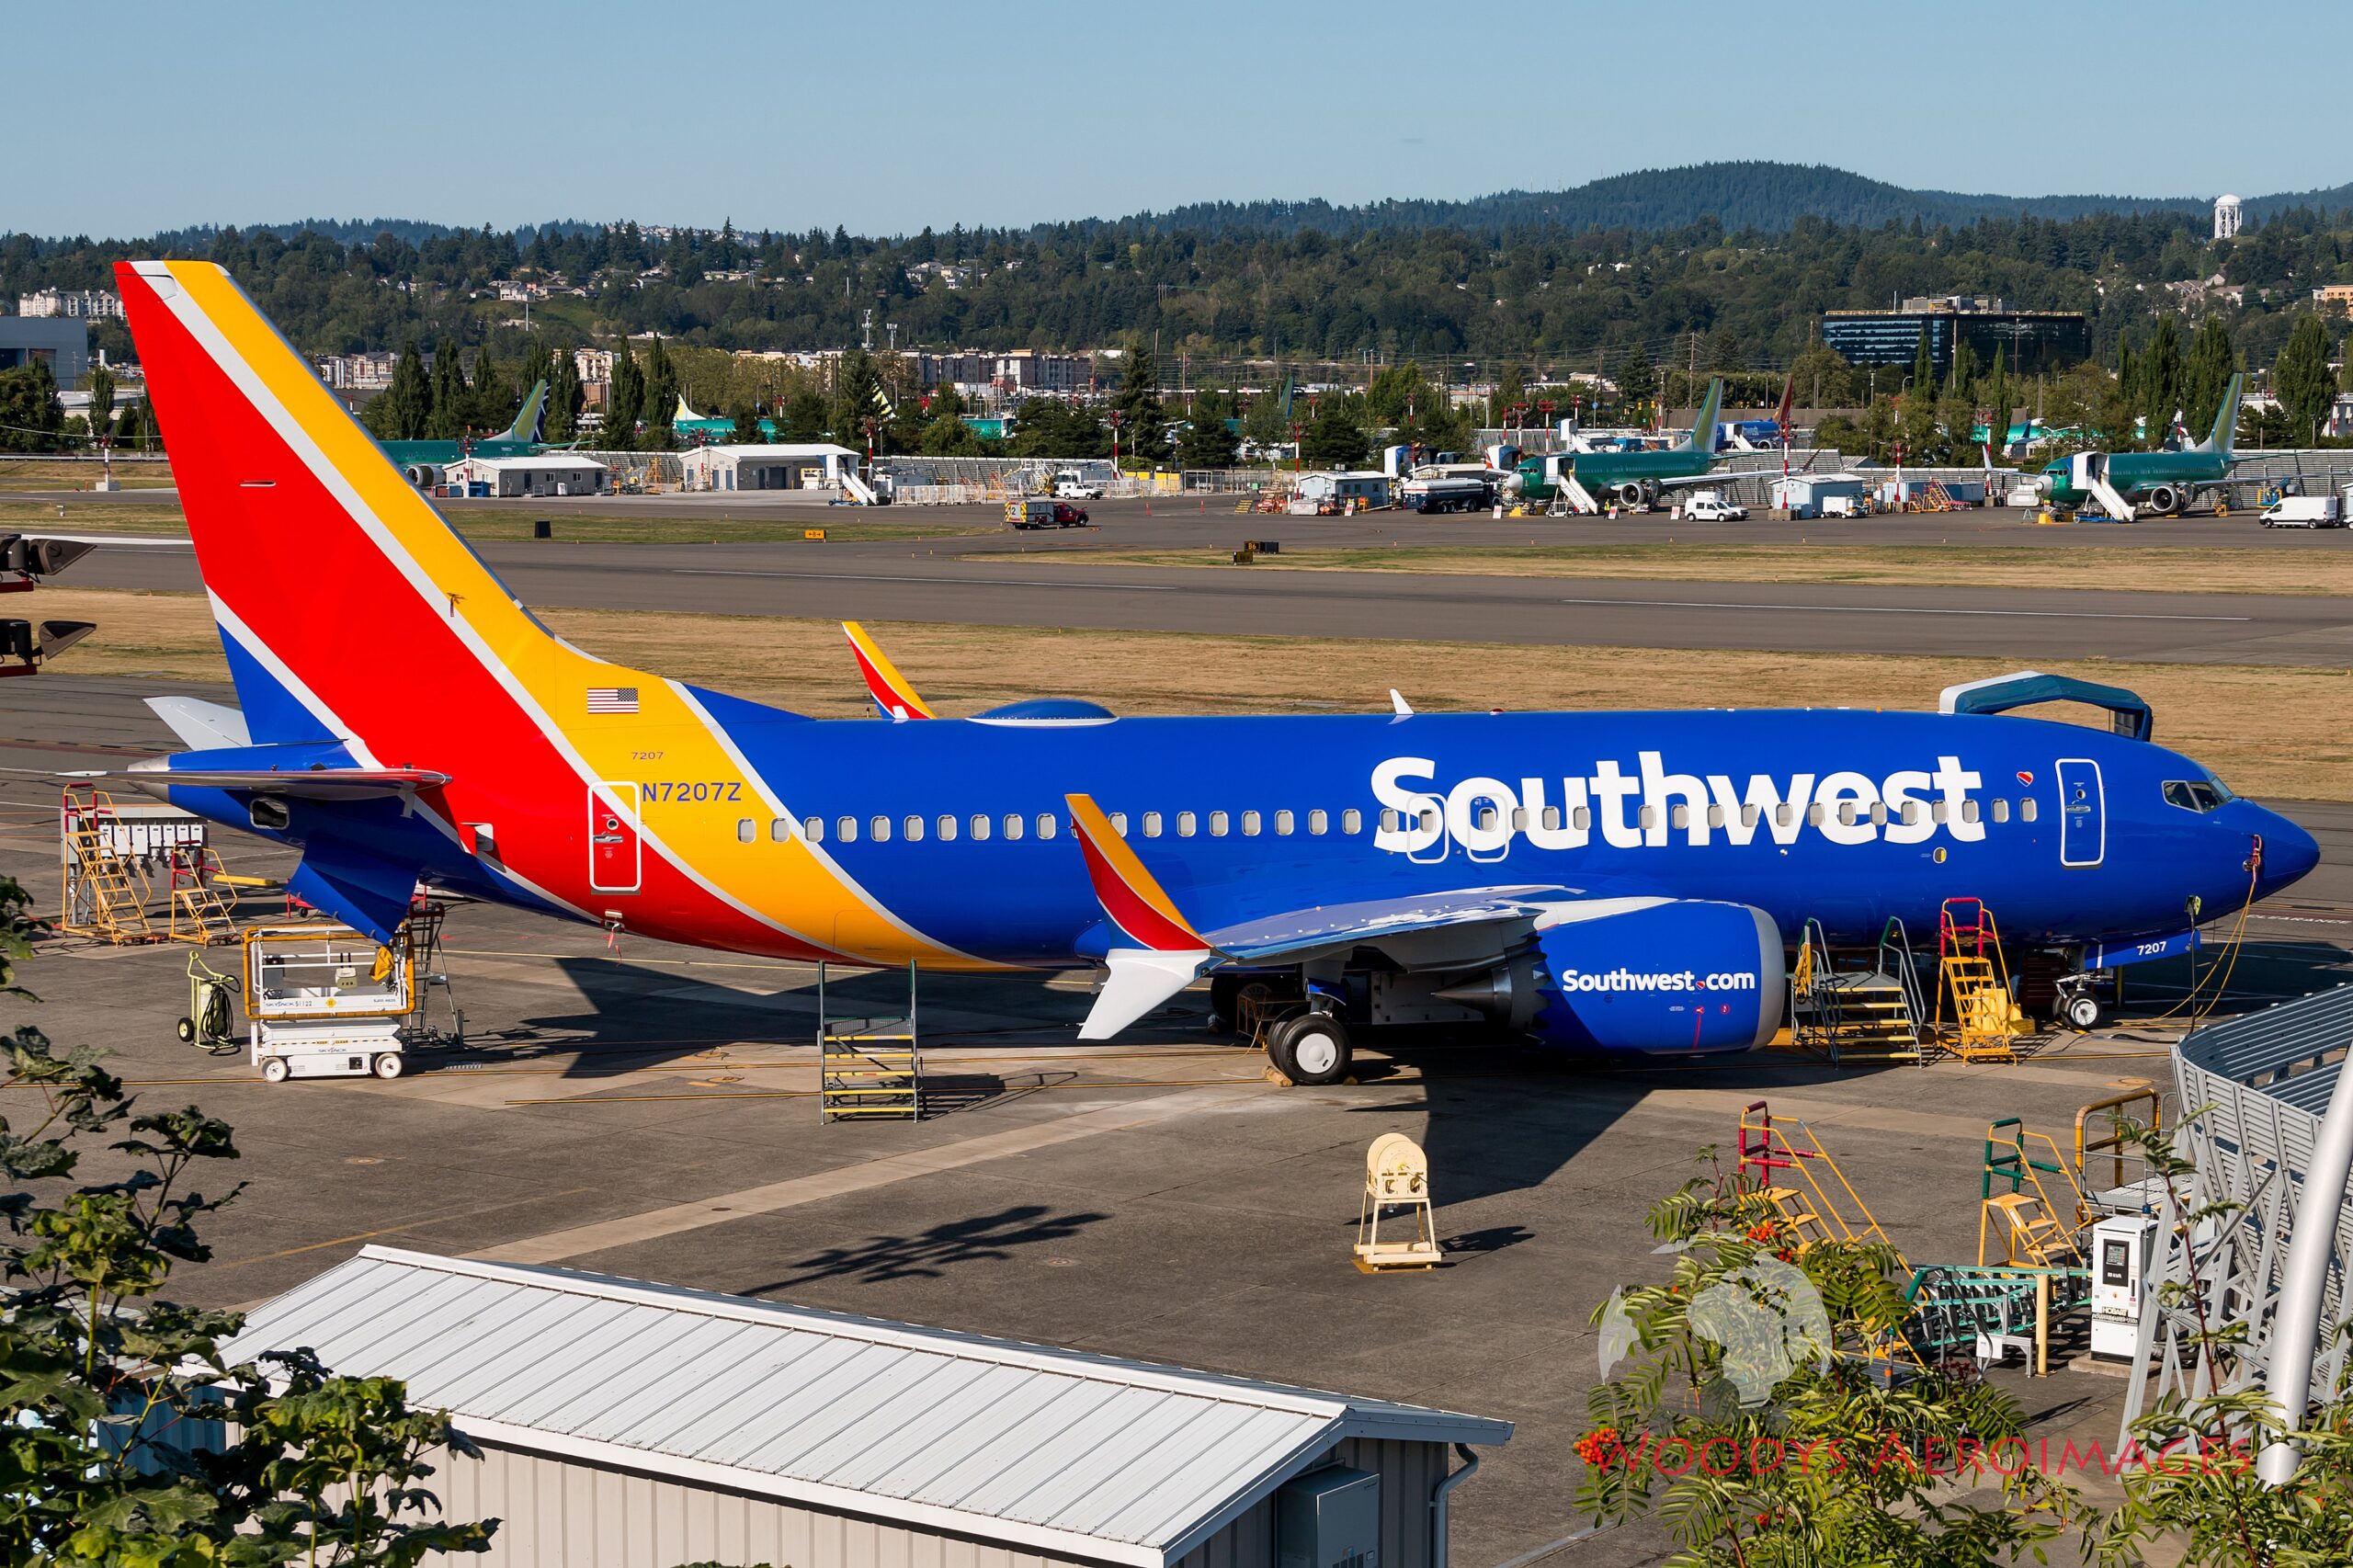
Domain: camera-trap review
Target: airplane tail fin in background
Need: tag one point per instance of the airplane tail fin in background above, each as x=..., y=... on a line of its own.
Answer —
x=892, y=691
x=531, y=421
x=2226, y=418
x=1703, y=430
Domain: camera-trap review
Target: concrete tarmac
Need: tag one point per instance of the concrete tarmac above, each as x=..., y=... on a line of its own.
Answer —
x=986, y=579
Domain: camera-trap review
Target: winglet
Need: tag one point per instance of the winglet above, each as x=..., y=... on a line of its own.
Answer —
x=892, y=694
x=1398, y=705
x=1159, y=952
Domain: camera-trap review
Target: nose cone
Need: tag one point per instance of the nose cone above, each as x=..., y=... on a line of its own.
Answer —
x=2289, y=852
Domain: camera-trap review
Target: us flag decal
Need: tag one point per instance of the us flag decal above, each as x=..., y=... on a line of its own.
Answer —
x=612, y=700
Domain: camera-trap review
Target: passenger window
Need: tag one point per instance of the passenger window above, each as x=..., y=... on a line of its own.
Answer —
x=1486, y=819
x=1319, y=821
x=1782, y=813
x=2026, y=809
x=1679, y=815
x=1968, y=811
x=1646, y=817
x=1879, y=814
x=1282, y=824
x=1351, y=821
x=947, y=828
x=1748, y=814
x=2001, y=810
x=1152, y=824
x=1388, y=820
x=979, y=826
x=1217, y=825
x=1429, y=820
x=1119, y=824
x=1184, y=824
x=911, y=829
x=1912, y=811
x=1249, y=825
x=781, y=830
x=1551, y=819
x=1814, y=813
x=1519, y=819
x=1715, y=816
x=881, y=828
x=1046, y=824
x=845, y=829
x=1013, y=824
x=1582, y=822
x=746, y=830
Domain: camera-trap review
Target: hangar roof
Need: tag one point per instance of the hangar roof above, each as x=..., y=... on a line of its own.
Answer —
x=1064, y=1450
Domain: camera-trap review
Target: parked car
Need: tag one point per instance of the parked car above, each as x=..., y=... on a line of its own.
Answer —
x=2304, y=512
x=1069, y=517
x=1071, y=485
x=1707, y=506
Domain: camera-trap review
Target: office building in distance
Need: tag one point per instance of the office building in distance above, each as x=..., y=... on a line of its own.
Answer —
x=2029, y=340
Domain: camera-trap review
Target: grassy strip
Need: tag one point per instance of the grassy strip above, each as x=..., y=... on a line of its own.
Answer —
x=2314, y=568
x=482, y=523
x=2269, y=731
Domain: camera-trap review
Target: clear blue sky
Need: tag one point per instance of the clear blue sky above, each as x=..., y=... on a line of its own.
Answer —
x=147, y=116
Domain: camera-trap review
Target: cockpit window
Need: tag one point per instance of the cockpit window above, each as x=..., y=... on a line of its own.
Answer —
x=2195, y=794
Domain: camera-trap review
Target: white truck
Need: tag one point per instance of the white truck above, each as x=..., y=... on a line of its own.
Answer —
x=2304, y=512
x=1710, y=507
x=1072, y=485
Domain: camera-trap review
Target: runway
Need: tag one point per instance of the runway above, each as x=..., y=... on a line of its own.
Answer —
x=985, y=580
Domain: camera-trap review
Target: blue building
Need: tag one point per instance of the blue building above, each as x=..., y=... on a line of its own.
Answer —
x=63, y=341
x=2029, y=340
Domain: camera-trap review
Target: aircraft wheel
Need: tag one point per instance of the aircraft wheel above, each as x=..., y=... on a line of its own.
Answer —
x=389, y=1065
x=273, y=1069
x=1310, y=1047
x=186, y=1027
x=2081, y=1011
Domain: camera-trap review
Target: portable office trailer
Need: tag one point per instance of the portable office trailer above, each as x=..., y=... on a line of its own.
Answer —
x=790, y=465
x=626, y=1424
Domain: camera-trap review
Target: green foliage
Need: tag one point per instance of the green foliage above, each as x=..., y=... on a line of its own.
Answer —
x=624, y=401
x=1050, y=427
x=661, y=409
x=98, y=1369
x=747, y=431
x=101, y=402
x=404, y=409
x=1206, y=443
x=855, y=383
x=2207, y=376
x=446, y=420
x=1334, y=438
x=1143, y=432
x=802, y=417
x=1752, y=1425
x=33, y=419
x=2303, y=381
x=2161, y=374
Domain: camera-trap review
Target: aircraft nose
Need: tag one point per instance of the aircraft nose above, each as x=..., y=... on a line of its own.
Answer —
x=2289, y=852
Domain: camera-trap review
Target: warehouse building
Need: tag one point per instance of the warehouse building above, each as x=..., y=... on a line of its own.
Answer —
x=549, y=474
x=61, y=342
x=626, y=1425
x=2030, y=341
x=792, y=465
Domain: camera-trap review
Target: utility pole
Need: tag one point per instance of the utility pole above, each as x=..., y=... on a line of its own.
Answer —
x=866, y=329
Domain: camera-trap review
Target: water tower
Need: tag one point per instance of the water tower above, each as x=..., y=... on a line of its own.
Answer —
x=2227, y=217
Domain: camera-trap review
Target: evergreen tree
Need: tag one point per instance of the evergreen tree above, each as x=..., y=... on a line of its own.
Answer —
x=1143, y=433
x=855, y=384
x=495, y=399
x=746, y=432
x=1924, y=372
x=1997, y=404
x=1263, y=424
x=1510, y=388
x=803, y=417
x=101, y=404
x=446, y=421
x=661, y=398
x=2160, y=379
x=566, y=396
x=2301, y=380
x=1207, y=442
x=2206, y=375
x=1335, y=437
x=948, y=437
x=1637, y=382
x=624, y=401
x=404, y=407
x=32, y=418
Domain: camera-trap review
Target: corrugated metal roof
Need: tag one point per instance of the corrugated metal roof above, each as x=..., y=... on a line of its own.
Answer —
x=1057, y=1448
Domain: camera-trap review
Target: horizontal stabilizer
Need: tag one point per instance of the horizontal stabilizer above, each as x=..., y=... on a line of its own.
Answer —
x=300, y=784
x=201, y=725
x=367, y=894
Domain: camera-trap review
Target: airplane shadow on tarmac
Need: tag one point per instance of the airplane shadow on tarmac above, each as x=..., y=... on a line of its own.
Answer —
x=983, y=1238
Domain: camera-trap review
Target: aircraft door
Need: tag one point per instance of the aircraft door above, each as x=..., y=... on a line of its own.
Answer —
x=616, y=853
x=2082, y=813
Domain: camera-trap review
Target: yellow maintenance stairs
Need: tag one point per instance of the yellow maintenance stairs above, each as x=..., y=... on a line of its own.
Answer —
x=1977, y=1017
x=105, y=889
x=1801, y=1184
x=869, y=1068
x=1856, y=1017
x=2037, y=1224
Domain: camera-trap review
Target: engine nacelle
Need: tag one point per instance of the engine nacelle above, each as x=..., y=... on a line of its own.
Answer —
x=2166, y=498
x=1687, y=975
x=424, y=476
x=1633, y=493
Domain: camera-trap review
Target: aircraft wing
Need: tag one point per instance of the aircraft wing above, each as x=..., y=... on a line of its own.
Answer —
x=1156, y=952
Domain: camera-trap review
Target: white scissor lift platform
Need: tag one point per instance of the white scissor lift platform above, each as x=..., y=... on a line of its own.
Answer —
x=325, y=1001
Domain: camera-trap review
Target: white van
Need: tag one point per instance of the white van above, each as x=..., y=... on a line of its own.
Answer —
x=2305, y=512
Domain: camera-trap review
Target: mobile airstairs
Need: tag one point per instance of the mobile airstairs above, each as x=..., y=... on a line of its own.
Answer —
x=869, y=1067
x=1861, y=1015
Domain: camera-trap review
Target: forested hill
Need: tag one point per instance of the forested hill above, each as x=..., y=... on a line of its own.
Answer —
x=1764, y=196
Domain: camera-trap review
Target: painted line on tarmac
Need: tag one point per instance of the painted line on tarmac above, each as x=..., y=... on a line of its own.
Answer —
x=653, y=1225
x=941, y=582
x=1904, y=609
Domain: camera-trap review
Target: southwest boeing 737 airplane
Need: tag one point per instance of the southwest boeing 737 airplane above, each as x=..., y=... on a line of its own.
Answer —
x=1610, y=882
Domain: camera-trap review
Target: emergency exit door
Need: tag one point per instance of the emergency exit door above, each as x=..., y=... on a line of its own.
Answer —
x=2082, y=813
x=616, y=855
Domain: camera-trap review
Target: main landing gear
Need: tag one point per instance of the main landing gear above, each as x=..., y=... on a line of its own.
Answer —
x=1302, y=1035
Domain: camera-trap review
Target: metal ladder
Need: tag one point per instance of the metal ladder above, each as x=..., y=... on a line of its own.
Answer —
x=200, y=914
x=1856, y=1017
x=106, y=892
x=869, y=1067
x=1985, y=1022
x=2027, y=1220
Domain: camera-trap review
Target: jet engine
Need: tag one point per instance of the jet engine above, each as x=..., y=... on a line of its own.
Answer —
x=1685, y=975
x=424, y=476
x=2166, y=498
x=1631, y=494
